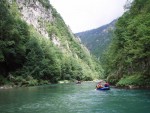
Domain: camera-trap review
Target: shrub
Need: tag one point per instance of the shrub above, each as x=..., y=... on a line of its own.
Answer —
x=112, y=79
x=135, y=79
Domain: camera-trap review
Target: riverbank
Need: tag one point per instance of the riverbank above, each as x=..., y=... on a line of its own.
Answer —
x=9, y=86
x=6, y=87
x=132, y=87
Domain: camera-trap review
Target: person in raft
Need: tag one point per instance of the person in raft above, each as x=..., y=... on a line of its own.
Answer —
x=99, y=85
x=106, y=84
x=102, y=84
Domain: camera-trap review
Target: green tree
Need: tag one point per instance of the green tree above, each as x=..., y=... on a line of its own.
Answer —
x=129, y=52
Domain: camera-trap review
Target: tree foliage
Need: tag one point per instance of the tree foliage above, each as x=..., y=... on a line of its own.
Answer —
x=13, y=37
x=129, y=52
x=28, y=58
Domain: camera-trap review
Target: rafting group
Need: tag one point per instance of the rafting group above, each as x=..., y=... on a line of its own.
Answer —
x=102, y=85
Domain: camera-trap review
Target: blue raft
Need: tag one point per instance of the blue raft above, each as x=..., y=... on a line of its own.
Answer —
x=104, y=88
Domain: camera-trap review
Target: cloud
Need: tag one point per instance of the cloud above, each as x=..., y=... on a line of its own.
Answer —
x=82, y=15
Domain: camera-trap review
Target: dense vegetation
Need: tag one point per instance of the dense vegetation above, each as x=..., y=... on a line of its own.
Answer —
x=98, y=40
x=28, y=58
x=127, y=62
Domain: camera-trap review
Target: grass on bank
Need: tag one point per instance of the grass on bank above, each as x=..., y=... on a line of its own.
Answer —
x=135, y=79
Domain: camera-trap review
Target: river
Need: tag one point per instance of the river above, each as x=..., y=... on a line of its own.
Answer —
x=73, y=98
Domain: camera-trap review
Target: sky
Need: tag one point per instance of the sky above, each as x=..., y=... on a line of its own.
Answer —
x=82, y=15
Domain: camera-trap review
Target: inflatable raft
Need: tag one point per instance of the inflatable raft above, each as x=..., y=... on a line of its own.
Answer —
x=104, y=88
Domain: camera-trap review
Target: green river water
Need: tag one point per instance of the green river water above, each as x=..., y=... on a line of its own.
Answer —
x=73, y=98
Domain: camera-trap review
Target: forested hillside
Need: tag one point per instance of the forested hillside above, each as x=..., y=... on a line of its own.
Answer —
x=98, y=40
x=128, y=60
x=36, y=46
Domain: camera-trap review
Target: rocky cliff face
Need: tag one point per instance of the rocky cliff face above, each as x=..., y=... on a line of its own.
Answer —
x=38, y=15
x=34, y=13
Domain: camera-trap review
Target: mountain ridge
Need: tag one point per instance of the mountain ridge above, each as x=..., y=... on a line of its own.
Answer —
x=97, y=40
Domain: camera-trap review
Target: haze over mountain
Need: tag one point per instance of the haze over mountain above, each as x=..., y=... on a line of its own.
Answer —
x=97, y=40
